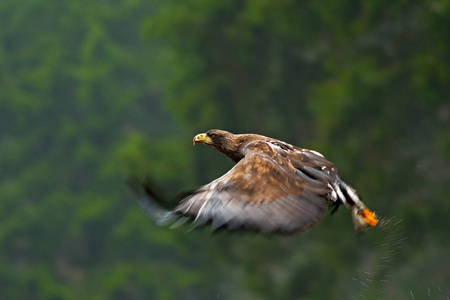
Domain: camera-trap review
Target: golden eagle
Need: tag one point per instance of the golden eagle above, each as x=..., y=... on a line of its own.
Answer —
x=273, y=188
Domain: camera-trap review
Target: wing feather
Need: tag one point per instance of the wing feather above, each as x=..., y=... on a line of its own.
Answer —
x=272, y=189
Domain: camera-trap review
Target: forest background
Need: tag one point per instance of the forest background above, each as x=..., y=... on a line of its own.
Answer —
x=91, y=91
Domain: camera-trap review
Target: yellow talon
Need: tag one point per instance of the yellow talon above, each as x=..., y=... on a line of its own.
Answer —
x=369, y=216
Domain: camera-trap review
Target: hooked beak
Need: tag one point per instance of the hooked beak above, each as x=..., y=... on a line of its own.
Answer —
x=201, y=138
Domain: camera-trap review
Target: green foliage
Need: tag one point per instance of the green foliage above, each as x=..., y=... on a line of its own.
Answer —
x=93, y=91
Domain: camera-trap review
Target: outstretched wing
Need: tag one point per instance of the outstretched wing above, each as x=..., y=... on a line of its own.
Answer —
x=270, y=190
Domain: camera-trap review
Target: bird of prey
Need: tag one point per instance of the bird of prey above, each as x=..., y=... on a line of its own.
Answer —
x=274, y=187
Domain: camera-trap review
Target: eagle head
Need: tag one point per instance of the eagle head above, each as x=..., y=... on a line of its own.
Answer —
x=223, y=141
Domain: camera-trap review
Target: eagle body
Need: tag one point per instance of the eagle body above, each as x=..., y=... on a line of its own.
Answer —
x=274, y=187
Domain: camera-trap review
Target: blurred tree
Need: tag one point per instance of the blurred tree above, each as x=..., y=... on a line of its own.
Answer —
x=308, y=72
x=90, y=91
x=76, y=99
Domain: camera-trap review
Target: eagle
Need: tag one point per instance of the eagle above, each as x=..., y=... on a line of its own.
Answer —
x=274, y=187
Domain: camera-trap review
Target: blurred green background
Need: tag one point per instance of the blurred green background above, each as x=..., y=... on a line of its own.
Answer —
x=91, y=91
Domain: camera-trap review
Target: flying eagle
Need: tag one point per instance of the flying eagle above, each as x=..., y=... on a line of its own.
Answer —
x=273, y=188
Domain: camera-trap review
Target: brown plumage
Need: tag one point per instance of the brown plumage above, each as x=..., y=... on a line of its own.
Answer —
x=273, y=188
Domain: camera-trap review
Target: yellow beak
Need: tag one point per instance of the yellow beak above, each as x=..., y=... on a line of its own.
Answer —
x=201, y=138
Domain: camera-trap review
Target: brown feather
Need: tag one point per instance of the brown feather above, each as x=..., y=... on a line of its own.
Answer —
x=266, y=191
x=274, y=187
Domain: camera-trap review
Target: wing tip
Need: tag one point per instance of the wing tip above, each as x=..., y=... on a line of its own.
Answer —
x=150, y=201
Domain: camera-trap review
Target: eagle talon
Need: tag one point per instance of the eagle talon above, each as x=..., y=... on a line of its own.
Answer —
x=369, y=216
